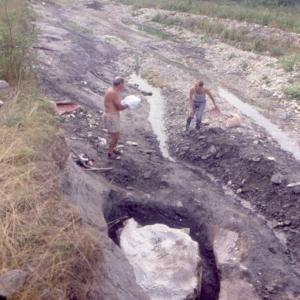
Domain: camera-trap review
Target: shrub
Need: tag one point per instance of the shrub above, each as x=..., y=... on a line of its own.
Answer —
x=17, y=35
x=290, y=62
x=292, y=91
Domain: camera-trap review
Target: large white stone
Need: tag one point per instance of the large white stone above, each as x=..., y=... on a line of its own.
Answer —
x=164, y=259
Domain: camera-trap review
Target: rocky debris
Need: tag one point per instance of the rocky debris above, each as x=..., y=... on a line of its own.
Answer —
x=237, y=288
x=130, y=143
x=11, y=282
x=147, y=174
x=3, y=84
x=277, y=178
x=165, y=260
x=229, y=249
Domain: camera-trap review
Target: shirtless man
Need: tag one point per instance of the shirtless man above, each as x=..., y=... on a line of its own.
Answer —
x=111, y=116
x=197, y=101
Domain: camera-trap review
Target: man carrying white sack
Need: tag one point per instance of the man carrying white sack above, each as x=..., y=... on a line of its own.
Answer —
x=111, y=117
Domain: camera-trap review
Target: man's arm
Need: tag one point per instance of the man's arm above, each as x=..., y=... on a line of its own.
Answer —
x=211, y=96
x=117, y=103
x=191, y=99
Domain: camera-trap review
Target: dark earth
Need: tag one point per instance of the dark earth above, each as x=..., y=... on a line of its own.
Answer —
x=220, y=178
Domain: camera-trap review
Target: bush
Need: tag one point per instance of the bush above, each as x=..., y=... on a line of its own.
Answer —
x=292, y=91
x=290, y=62
x=17, y=35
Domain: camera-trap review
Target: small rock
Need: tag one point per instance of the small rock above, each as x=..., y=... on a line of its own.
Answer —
x=277, y=178
x=129, y=188
x=296, y=190
x=219, y=155
x=256, y=159
x=129, y=143
x=149, y=151
x=147, y=174
x=238, y=191
x=3, y=84
x=11, y=282
x=146, y=93
x=212, y=149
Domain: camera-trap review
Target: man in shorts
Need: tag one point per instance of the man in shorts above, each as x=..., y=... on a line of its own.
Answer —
x=111, y=115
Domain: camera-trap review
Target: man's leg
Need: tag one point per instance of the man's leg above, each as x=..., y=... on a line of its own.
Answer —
x=113, y=142
x=188, y=123
x=199, y=114
x=190, y=117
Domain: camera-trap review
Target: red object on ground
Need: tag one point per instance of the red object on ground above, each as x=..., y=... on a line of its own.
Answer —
x=214, y=113
x=66, y=107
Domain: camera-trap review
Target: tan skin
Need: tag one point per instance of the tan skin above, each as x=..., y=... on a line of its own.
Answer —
x=113, y=104
x=199, y=90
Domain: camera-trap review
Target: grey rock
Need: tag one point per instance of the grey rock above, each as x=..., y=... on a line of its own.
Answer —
x=147, y=93
x=296, y=190
x=149, y=151
x=277, y=178
x=130, y=143
x=147, y=175
x=11, y=282
x=3, y=84
x=1, y=103
x=212, y=149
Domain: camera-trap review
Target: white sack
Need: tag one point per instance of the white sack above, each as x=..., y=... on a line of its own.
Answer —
x=132, y=101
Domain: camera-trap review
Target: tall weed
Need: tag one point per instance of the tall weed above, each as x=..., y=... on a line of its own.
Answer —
x=17, y=34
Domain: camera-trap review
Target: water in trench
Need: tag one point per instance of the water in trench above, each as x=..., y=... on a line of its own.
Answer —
x=154, y=31
x=156, y=114
x=282, y=138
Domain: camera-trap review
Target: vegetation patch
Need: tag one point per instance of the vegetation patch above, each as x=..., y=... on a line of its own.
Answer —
x=292, y=91
x=268, y=13
x=240, y=38
x=290, y=62
x=40, y=234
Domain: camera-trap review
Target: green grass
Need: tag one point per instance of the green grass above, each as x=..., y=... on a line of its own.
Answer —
x=240, y=38
x=292, y=91
x=286, y=18
x=290, y=62
x=17, y=34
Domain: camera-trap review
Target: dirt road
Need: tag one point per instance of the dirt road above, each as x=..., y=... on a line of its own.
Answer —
x=220, y=182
